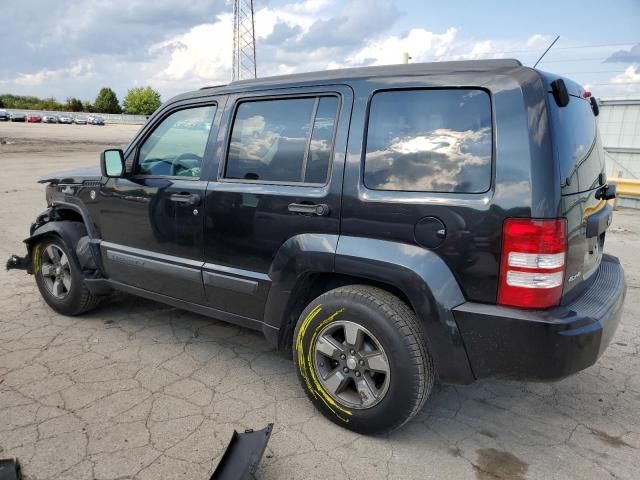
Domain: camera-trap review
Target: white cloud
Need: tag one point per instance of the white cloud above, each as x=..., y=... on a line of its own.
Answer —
x=624, y=84
x=311, y=6
x=78, y=71
x=199, y=57
x=203, y=55
x=630, y=76
x=175, y=46
x=419, y=43
x=538, y=41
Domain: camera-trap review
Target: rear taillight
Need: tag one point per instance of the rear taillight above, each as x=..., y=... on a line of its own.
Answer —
x=532, y=264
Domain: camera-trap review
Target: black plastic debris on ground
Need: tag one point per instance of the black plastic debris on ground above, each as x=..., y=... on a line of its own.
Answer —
x=10, y=469
x=243, y=454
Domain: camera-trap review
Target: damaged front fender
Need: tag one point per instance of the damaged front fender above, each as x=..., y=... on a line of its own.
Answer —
x=74, y=236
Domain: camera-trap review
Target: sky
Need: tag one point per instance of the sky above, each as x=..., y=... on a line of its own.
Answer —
x=73, y=48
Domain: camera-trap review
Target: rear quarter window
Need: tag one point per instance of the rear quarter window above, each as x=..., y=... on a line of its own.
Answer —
x=577, y=145
x=434, y=140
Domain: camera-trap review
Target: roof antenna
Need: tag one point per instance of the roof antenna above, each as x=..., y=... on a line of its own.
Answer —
x=545, y=52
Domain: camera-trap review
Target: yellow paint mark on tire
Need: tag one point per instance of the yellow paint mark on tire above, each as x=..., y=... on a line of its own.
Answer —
x=306, y=365
x=36, y=259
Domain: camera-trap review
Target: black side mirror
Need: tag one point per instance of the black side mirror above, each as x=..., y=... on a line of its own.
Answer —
x=112, y=163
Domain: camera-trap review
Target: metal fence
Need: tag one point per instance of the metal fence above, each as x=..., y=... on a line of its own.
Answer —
x=108, y=117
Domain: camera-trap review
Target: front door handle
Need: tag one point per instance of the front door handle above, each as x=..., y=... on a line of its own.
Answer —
x=319, y=209
x=191, y=199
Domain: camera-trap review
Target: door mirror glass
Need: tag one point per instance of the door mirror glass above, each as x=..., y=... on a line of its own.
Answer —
x=112, y=163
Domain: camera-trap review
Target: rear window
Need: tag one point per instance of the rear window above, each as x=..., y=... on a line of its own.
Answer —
x=429, y=141
x=577, y=145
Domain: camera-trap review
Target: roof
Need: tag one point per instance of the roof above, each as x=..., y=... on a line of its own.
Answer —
x=382, y=71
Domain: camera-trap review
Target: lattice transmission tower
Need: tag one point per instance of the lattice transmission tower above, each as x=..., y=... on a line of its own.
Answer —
x=244, y=40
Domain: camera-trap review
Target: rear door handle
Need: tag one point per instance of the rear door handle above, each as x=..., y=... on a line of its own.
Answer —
x=187, y=198
x=319, y=209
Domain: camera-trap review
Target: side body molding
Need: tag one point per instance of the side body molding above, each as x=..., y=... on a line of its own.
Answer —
x=429, y=285
x=298, y=256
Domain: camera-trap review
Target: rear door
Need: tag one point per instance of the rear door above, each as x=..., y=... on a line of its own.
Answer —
x=580, y=158
x=280, y=176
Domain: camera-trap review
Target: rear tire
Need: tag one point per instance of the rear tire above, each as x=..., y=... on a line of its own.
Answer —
x=60, y=279
x=362, y=359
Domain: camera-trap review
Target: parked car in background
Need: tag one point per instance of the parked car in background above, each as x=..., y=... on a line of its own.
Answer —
x=49, y=119
x=384, y=226
x=34, y=118
x=18, y=117
x=65, y=119
x=80, y=120
x=95, y=120
x=4, y=116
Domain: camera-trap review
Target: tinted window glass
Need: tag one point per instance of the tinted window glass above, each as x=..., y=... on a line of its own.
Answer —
x=273, y=140
x=269, y=140
x=429, y=141
x=321, y=141
x=575, y=136
x=177, y=145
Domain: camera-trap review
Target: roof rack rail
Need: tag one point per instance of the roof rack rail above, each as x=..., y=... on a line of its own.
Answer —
x=214, y=86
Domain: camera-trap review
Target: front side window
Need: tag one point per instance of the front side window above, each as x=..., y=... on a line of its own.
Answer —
x=176, y=147
x=283, y=140
x=429, y=141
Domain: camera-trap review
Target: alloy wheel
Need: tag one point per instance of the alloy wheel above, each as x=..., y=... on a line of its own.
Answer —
x=351, y=364
x=56, y=271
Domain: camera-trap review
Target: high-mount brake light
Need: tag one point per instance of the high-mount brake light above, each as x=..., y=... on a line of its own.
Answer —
x=533, y=262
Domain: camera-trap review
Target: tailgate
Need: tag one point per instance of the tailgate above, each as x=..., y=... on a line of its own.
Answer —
x=580, y=158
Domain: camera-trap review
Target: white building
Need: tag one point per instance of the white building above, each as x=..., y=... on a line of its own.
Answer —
x=619, y=124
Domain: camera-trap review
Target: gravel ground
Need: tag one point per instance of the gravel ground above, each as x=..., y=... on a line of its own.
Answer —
x=141, y=390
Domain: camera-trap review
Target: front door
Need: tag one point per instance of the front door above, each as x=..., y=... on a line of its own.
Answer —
x=151, y=222
x=279, y=181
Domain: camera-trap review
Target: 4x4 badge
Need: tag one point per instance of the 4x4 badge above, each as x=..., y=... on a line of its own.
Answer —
x=574, y=276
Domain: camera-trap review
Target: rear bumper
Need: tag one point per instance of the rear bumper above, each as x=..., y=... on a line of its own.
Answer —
x=544, y=344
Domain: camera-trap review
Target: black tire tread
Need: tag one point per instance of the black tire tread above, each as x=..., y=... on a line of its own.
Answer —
x=405, y=321
x=88, y=301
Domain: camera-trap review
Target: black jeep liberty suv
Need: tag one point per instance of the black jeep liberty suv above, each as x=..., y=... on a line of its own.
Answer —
x=385, y=226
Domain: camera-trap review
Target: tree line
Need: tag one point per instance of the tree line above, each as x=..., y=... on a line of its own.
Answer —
x=138, y=101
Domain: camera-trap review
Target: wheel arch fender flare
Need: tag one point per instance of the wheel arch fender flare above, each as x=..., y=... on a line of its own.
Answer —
x=74, y=205
x=420, y=274
x=298, y=256
x=429, y=285
x=69, y=231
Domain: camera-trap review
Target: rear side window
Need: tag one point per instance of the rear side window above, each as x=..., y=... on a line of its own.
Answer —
x=429, y=141
x=576, y=144
x=283, y=140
